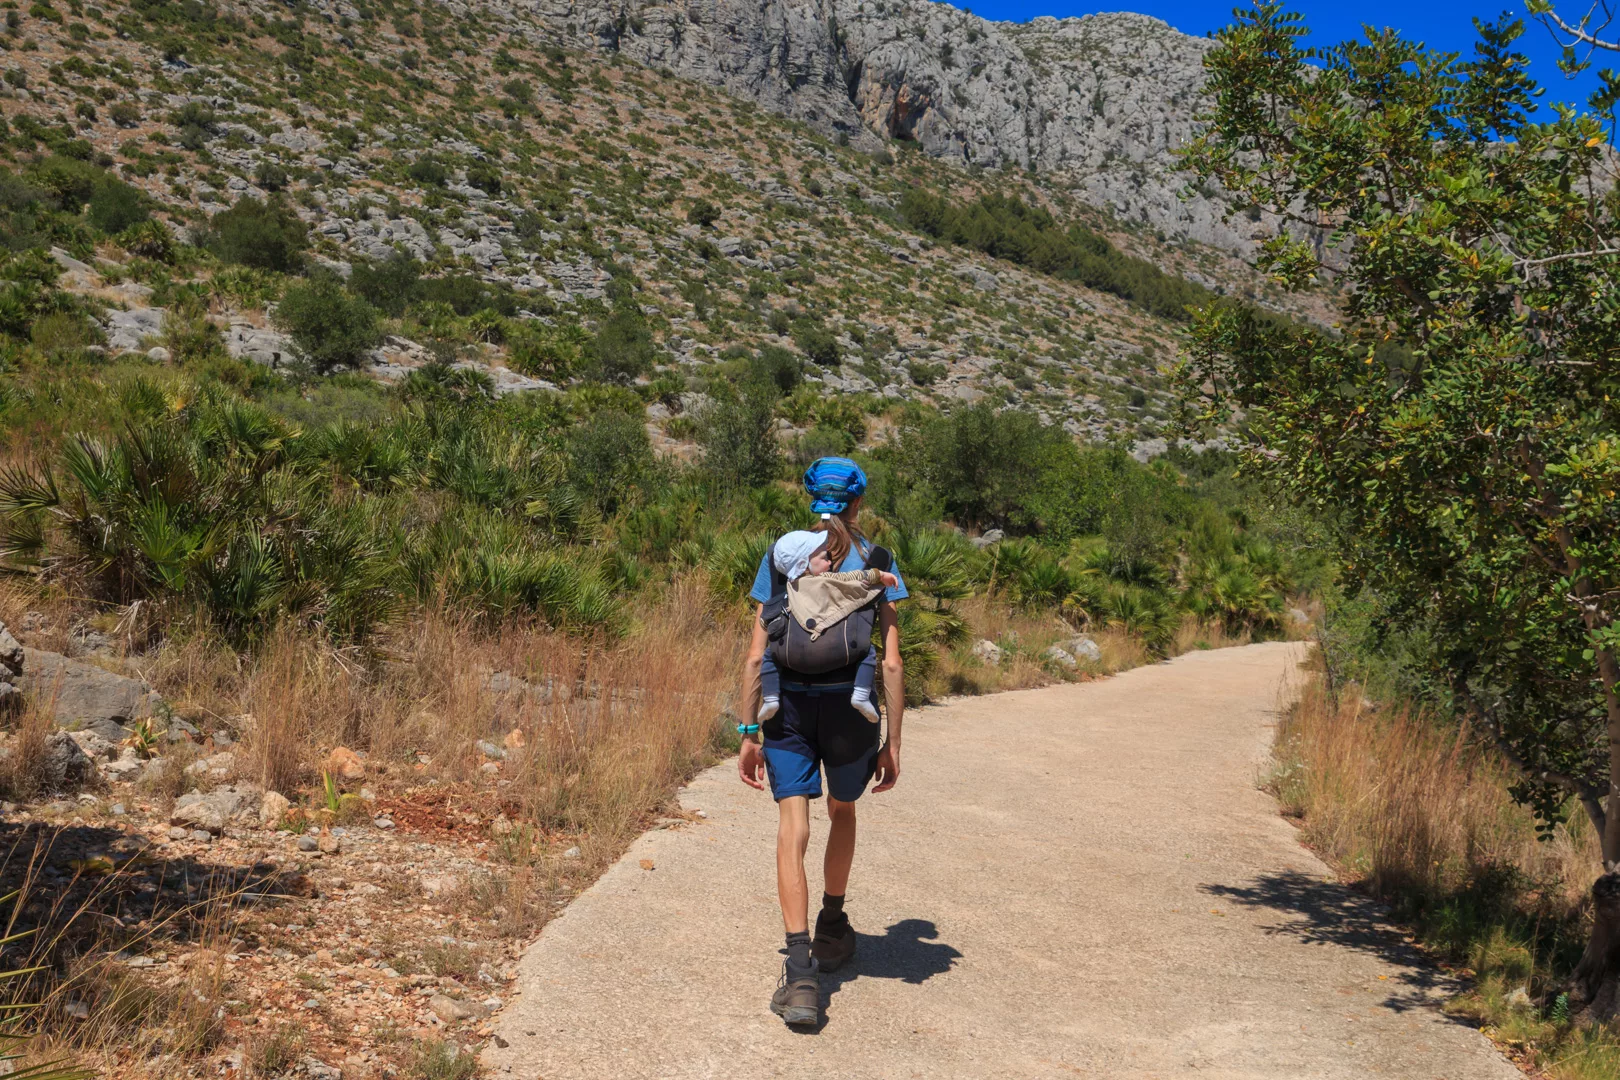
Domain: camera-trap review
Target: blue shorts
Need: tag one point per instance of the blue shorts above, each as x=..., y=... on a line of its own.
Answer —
x=816, y=729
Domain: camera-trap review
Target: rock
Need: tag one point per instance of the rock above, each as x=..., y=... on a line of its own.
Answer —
x=515, y=740
x=307, y=842
x=1298, y=617
x=248, y=342
x=200, y=834
x=127, y=764
x=11, y=656
x=178, y=833
x=84, y=697
x=979, y=277
x=65, y=767
x=987, y=651
x=490, y=750
x=215, y=767
x=571, y=853
x=382, y=823
x=450, y=1010
x=273, y=807
x=329, y=844
x=117, y=809
x=344, y=764
x=1083, y=648
x=127, y=329
x=94, y=746
x=489, y=768
x=1518, y=998
x=216, y=809
x=158, y=354
x=439, y=884
x=990, y=536
x=1060, y=656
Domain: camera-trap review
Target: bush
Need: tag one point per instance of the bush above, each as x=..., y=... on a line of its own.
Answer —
x=608, y=455
x=330, y=327
x=622, y=349
x=485, y=177
x=387, y=285
x=116, y=206
x=125, y=114
x=817, y=342
x=737, y=433
x=427, y=171
x=703, y=212
x=264, y=234
x=270, y=176
x=545, y=352
x=778, y=367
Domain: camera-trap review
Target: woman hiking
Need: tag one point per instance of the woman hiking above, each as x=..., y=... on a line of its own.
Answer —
x=814, y=728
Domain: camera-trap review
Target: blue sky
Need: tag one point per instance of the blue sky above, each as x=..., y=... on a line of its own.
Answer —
x=1441, y=24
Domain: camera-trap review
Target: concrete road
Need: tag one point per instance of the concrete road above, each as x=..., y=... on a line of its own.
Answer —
x=1082, y=880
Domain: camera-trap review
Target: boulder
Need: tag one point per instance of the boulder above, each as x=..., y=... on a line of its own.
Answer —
x=216, y=809
x=273, y=807
x=344, y=764
x=1057, y=654
x=64, y=766
x=1083, y=648
x=84, y=697
x=991, y=536
x=1298, y=617
x=94, y=746
x=987, y=651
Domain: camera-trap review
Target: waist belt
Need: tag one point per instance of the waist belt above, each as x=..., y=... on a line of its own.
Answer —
x=816, y=690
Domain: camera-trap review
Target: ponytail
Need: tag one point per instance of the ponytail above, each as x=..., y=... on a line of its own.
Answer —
x=842, y=534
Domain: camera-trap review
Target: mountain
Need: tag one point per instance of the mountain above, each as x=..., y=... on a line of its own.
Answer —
x=720, y=178
x=1101, y=101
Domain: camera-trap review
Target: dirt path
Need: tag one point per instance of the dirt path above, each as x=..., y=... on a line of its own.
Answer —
x=1075, y=881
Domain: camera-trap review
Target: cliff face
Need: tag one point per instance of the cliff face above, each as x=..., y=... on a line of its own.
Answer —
x=1102, y=101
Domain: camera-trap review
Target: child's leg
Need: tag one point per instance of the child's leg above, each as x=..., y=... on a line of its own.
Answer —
x=770, y=688
x=865, y=679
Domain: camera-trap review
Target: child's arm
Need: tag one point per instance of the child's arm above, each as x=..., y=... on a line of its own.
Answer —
x=873, y=578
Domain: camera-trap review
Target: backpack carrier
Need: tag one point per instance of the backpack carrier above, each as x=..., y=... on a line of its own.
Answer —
x=813, y=650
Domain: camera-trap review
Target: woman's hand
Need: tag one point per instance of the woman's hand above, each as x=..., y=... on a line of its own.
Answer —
x=751, y=764
x=888, y=767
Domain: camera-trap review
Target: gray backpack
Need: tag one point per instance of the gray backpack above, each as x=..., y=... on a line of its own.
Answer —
x=810, y=650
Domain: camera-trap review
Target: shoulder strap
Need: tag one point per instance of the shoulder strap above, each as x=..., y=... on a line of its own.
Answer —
x=879, y=558
x=778, y=579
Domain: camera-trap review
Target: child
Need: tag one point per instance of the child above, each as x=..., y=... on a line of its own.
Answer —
x=797, y=554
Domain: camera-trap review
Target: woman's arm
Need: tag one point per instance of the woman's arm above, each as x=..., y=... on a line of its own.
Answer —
x=894, y=696
x=750, y=758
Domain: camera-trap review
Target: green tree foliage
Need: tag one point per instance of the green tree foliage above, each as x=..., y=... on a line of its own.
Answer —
x=622, y=348
x=1473, y=469
x=387, y=285
x=737, y=433
x=1008, y=228
x=265, y=234
x=330, y=326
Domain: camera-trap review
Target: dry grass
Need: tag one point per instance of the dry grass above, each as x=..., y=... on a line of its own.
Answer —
x=1418, y=814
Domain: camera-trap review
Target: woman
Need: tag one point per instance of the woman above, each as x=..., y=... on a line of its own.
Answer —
x=818, y=728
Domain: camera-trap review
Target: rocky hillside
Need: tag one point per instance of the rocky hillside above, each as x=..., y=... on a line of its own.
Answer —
x=1100, y=101
x=572, y=157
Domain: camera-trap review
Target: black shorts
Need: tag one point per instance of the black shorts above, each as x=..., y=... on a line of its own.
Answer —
x=816, y=729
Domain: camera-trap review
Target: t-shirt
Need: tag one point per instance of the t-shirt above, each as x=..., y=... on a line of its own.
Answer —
x=855, y=560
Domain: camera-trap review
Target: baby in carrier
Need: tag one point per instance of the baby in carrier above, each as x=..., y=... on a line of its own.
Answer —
x=798, y=555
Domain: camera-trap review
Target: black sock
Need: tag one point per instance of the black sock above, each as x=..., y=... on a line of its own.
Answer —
x=798, y=949
x=832, y=912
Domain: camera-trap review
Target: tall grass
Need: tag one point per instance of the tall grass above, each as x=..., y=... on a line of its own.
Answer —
x=1420, y=814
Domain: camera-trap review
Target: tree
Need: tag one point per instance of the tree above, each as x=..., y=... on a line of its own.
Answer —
x=330, y=327
x=623, y=347
x=737, y=432
x=266, y=235
x=703, y=213
x=1463, y=421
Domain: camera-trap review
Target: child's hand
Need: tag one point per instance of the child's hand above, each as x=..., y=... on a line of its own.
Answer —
x=888, y=579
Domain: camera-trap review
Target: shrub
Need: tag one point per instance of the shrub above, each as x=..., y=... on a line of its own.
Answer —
x=264, y=234
x=125, y=114
x=270, y=176
x=387, y=285
x=622, y=349
x=148, y=240
x=429, y=172
x=116, y=206
x=738, y=435
x=545, y=352
x=703, y=212
x=485, y=177
x=778, y=367
x=608, y=455
x=817, y=342
x=330, y=327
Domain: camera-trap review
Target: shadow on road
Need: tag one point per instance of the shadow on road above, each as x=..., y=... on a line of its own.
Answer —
x=906, y=951
x=1330, y=914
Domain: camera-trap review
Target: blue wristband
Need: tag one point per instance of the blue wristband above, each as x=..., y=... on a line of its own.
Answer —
x=747, y=729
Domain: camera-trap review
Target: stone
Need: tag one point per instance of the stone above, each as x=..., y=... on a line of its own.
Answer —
x=344, y=764
x=215, y=767
x=990, y=536
x=571, y=853
x=94, y=746
x=176, y=832
x=329, y=844
x=273, y=807
x=489, y=768
x=200, y=834
x=1083, y=648
x=248, y=342
x=11, y=655
x=987, y=651
x=382, y=823
x=216, y=809
x=64, y=766
x=1060, y=656
x=450, y=1010
x=158, y=354
x=1518, y=998
x=515, y=740
x=117, y=809
x=127, y=764
x=84, y=697
x=490, y=750
x=1298, y=617
x=438, y=884
x=127, y=329
x=307, y=842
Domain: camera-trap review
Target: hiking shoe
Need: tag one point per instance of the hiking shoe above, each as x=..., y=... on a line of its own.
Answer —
x=798, y=997
x=833, y=945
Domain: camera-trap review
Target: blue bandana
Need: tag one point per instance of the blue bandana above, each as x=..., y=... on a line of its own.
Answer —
x=833, y=483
